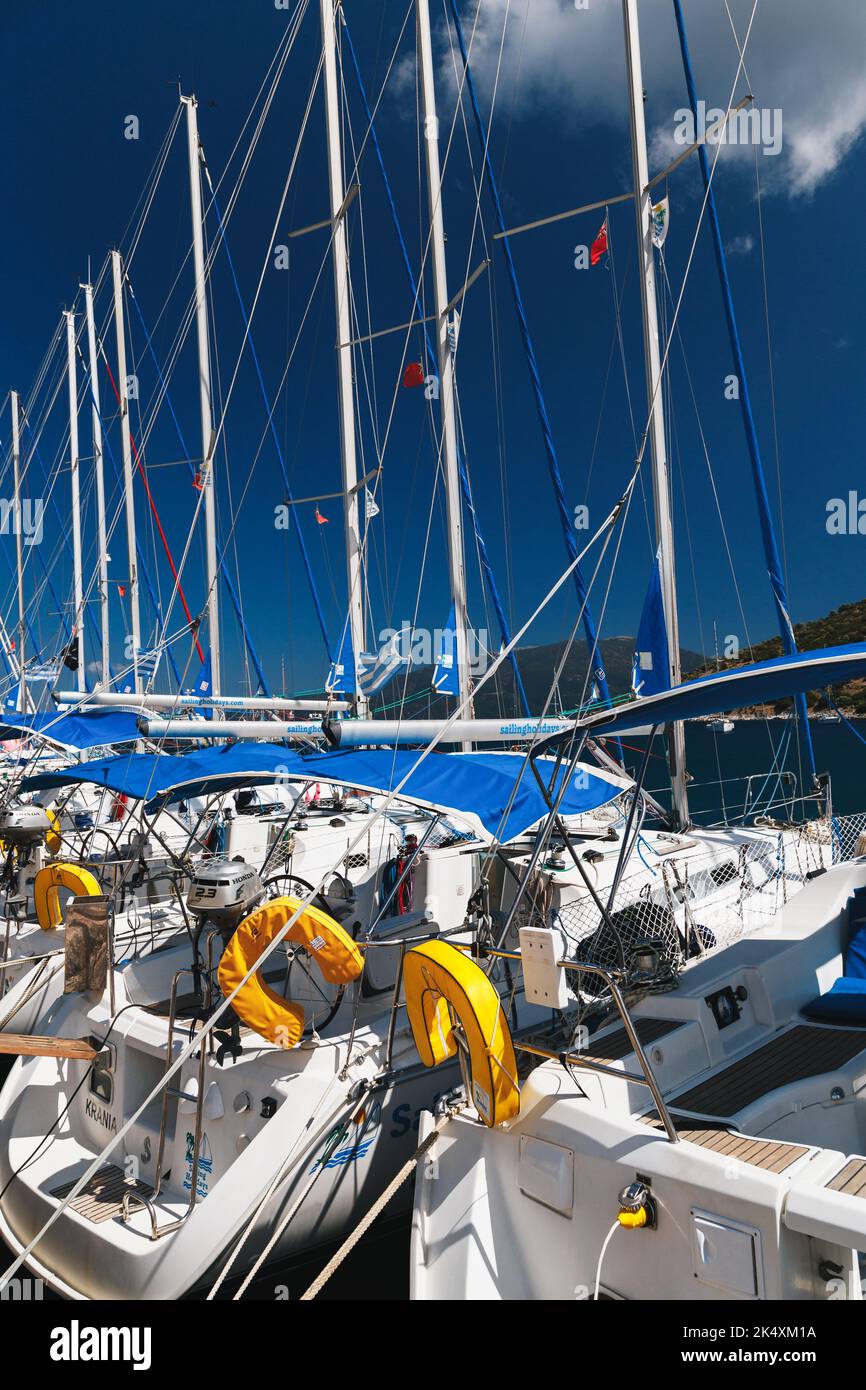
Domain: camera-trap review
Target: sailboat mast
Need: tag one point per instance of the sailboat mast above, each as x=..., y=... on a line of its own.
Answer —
x=96, y=436
x=78, y=587
x=652, y=358
x=208, y=441
x=456, y=556
x=19, y=539
x=342, y=292
x=126, y=448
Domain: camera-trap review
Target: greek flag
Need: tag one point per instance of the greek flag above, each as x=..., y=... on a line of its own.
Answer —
x=376, y=669
x=43, y=670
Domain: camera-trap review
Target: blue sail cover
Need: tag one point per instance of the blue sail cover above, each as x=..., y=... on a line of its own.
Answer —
x=203, y=684
x=88, y=729
x=763, y=681
x=341, y=676
x=479, y=787
x=444, y=680
x=650, y=667
x=13, y=700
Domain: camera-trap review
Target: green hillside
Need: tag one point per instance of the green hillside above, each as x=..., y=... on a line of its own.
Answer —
x=538, y=664
x=843, y=625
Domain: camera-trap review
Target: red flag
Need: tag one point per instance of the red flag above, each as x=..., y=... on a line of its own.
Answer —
x=196, y=482
x=599, y=246
x=121, y=589
x=413, y=375
x=322, y=520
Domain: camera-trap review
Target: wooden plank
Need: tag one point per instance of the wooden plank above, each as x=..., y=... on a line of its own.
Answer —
x=616, y=1045
x=31, y=1045
x=803, y=1051
x=773, y=1155
x=851, y=1179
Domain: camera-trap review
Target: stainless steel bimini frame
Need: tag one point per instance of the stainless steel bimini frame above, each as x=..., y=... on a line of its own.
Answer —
x=576, y=1059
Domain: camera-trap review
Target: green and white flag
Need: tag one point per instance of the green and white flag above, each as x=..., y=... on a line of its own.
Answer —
x=660, y=219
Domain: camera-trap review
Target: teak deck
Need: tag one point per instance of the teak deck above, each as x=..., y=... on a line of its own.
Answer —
x=617, y=1045
x=803, y=1051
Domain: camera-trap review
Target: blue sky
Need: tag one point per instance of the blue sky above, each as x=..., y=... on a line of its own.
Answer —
x=559, y=138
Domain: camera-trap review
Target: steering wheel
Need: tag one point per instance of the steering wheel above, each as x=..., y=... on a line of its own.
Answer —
x=319, y=998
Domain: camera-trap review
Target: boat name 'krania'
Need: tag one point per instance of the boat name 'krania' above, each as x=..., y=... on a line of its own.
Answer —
x=100, y=1115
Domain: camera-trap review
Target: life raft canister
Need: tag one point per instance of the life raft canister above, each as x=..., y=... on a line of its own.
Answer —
x=269, y=1014
x=438, y=978
x=46, y=890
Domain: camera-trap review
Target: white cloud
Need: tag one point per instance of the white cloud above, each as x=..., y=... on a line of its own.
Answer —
x=740, y=245
x=803, y=59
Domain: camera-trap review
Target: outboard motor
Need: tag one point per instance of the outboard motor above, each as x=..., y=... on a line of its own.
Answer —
x=223, y=892
x=24, y=830
x=24, y=826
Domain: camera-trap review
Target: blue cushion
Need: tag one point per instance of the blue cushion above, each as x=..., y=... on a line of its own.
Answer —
x=855, y=954
x=855, y=947
x=844, y=1003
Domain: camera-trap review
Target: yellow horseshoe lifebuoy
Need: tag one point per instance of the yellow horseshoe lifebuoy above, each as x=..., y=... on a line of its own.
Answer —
x=438, y=978
x=46, y=890
x=52, y=839
x=261, y=1008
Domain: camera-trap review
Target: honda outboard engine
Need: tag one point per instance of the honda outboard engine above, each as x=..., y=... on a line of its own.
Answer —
x=24, y=826
x=223, y=892
x=24, y=831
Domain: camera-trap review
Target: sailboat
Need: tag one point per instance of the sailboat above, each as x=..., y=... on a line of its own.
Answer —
x=245, y=1079
x=695, y=1132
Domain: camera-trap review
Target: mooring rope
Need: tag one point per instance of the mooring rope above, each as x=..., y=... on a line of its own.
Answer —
x=378, y=1206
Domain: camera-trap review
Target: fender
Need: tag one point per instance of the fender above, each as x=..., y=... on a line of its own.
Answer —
x=440, y=980
x=269, y=1014
x=46, y=894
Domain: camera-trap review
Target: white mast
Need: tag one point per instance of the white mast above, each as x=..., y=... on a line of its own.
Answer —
x=19, y=540
x=208, y=440
x=456, y=559
x=132, y=560
x=660, y=473
x=96, y=435
x=78, y=588
x=344, y=352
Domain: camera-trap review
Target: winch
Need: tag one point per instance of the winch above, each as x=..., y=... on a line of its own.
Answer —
x=224, y=891
x=24, y=826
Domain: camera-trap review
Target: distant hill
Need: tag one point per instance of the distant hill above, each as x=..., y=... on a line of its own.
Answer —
x=843, y=625
x=538, y=664
x=537, y=668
